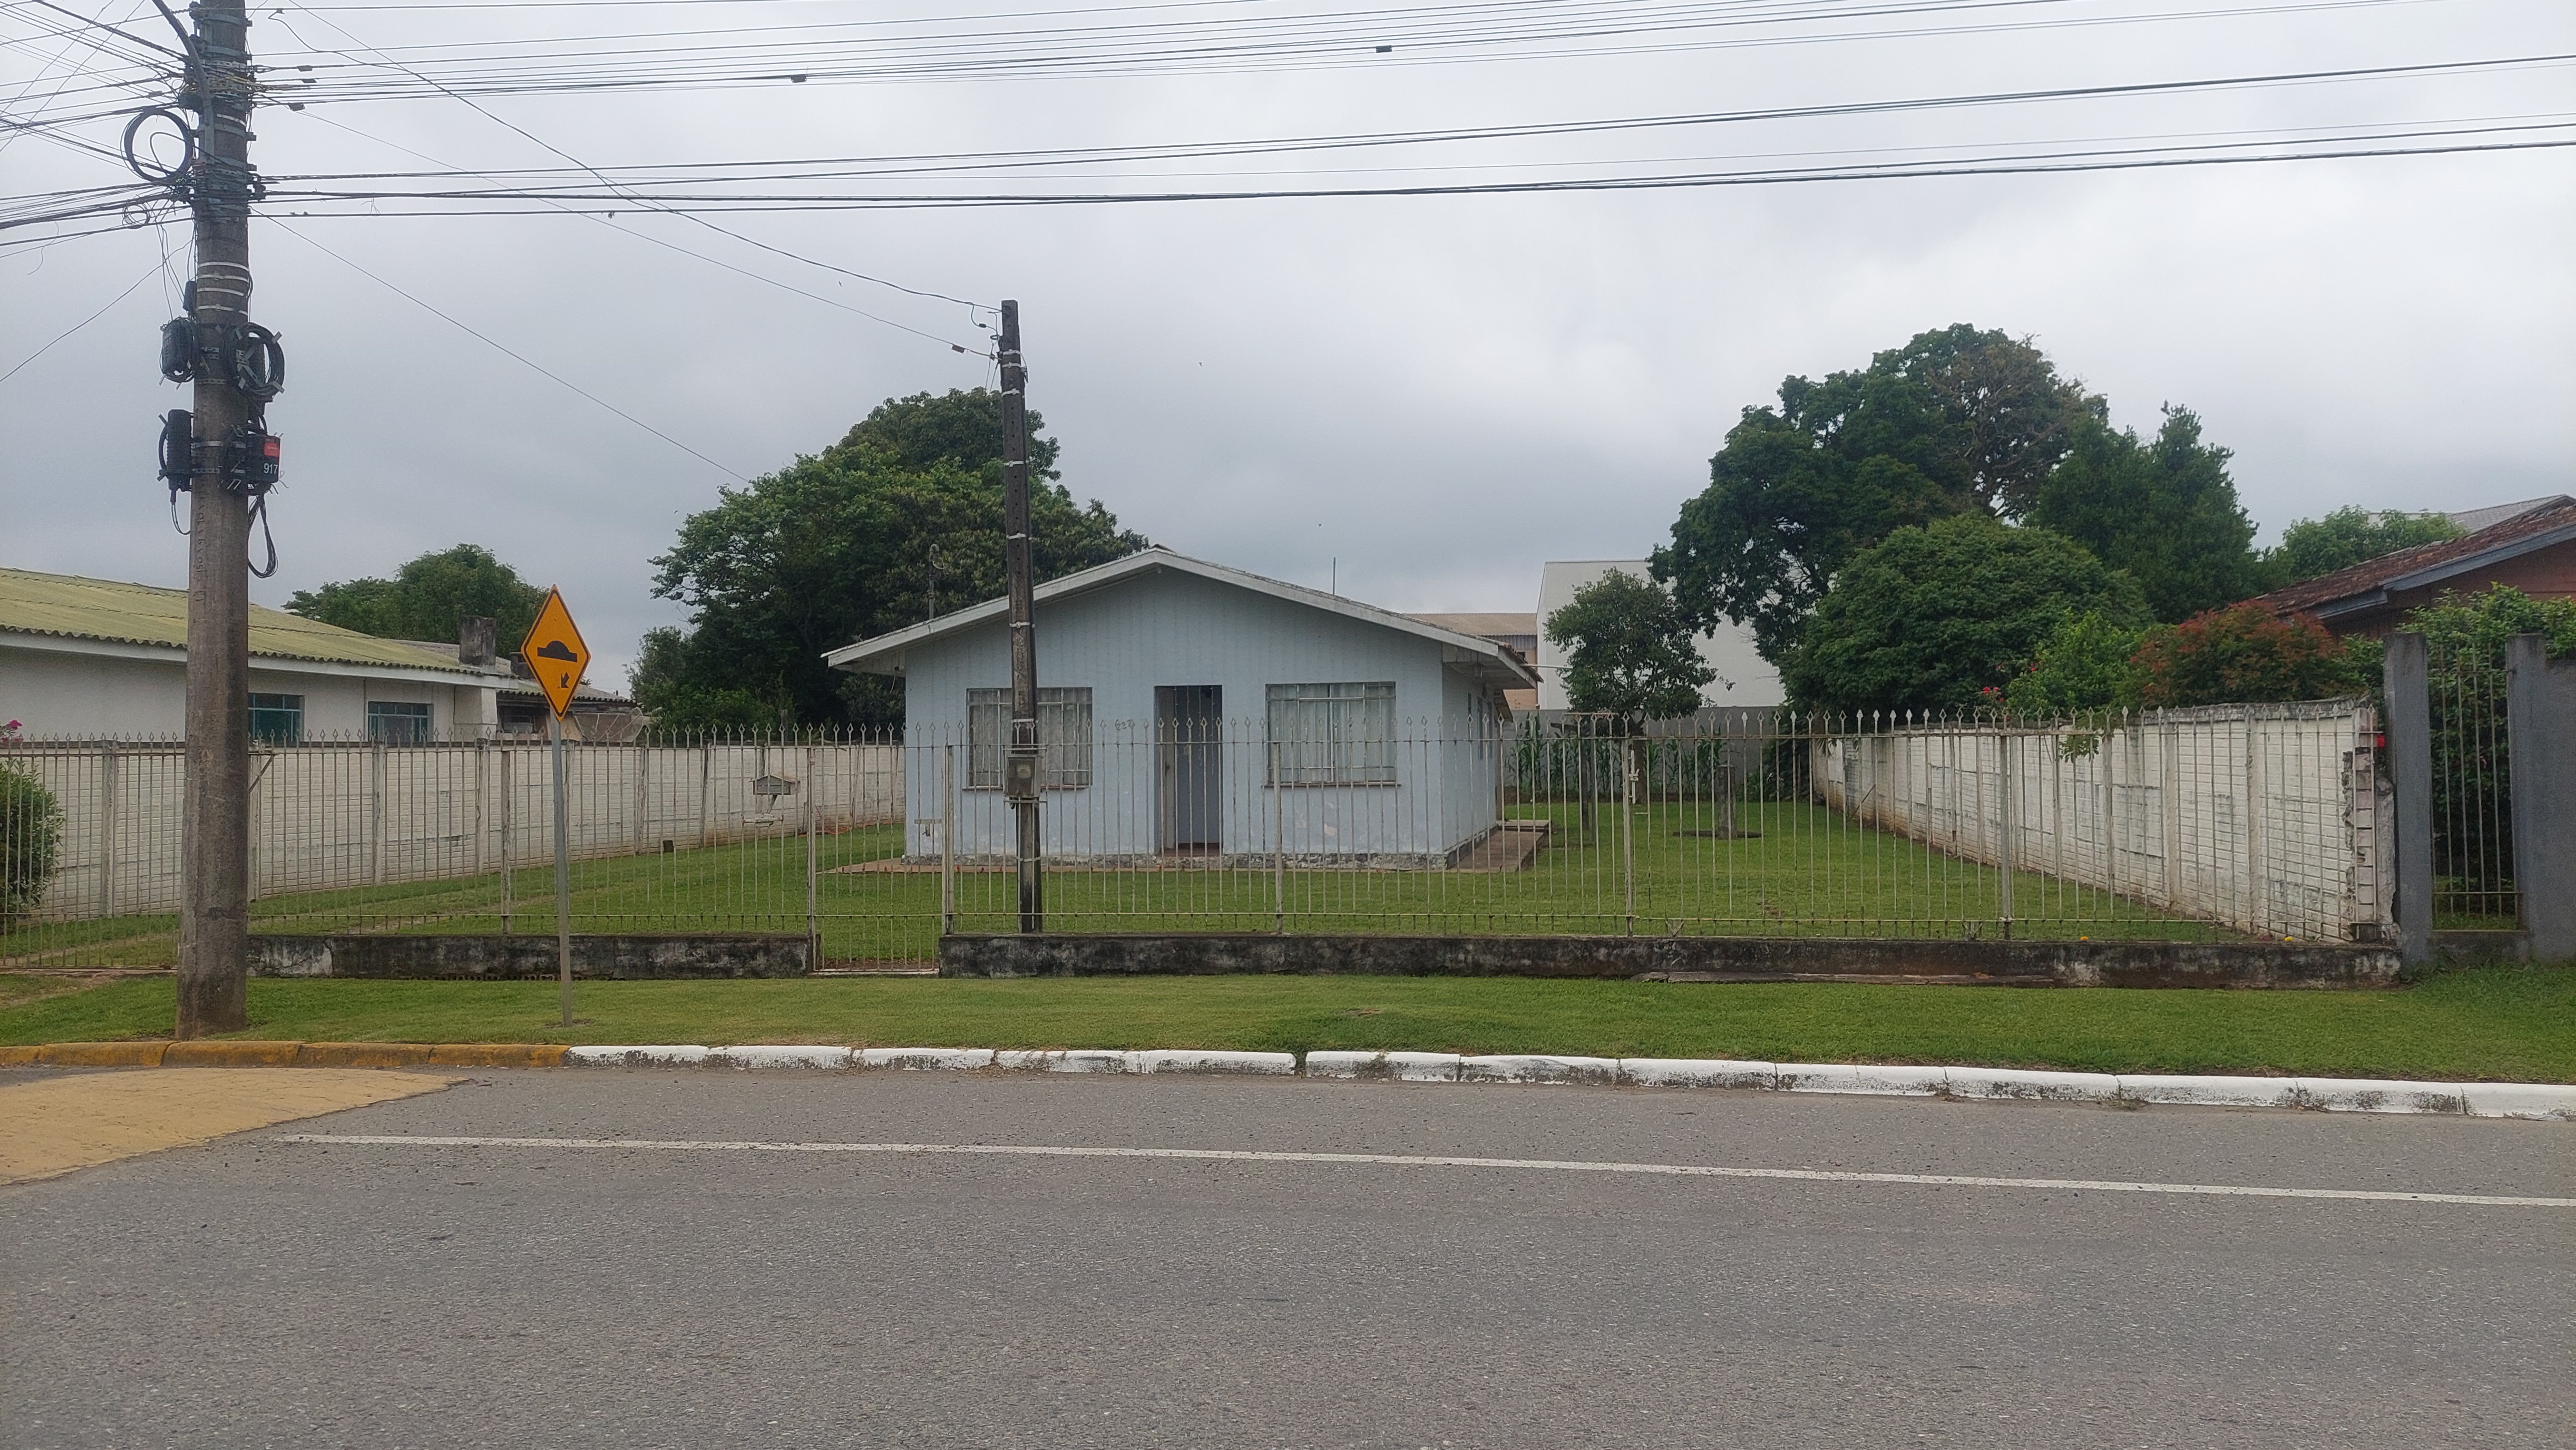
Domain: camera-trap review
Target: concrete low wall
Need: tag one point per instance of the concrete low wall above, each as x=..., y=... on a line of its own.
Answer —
x=503, y=958
x=1683, y=959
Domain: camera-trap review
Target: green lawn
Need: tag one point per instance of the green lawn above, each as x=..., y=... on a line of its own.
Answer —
x=1806, y=871
x=2501, y=1023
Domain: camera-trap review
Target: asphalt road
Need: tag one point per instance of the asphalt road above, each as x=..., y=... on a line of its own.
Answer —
x=254, y=1292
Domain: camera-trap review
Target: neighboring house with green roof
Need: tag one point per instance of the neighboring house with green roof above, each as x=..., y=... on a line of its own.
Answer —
x=95, y=658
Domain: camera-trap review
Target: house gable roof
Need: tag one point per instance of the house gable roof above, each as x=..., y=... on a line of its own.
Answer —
x=66, y=606
x=2371, y=583
x=884, y=653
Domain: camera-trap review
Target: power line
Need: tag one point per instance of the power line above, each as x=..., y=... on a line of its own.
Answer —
x=922, y=163
x=593, y=171
x=2129, y=159
x=1107, y=51
x=515, y=356
x=84, y=322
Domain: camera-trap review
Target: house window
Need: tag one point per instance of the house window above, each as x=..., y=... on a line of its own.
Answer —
x=1064, y=738
x=277, y=719
x=391, y=723
x=1332, y=734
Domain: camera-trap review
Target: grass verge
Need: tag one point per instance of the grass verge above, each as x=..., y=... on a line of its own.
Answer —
x=2505, y=1023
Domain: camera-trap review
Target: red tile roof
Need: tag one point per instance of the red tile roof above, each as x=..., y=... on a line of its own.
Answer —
x=2425, y=563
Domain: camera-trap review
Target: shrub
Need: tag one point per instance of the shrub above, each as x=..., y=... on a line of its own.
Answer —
x=2243, y=655
x=31, y=833
x=2086, y=665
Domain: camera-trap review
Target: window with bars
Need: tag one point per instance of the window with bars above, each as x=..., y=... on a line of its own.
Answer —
x=1333, y=734
x=277, y=719
x=1064, y=738
x=396, y=723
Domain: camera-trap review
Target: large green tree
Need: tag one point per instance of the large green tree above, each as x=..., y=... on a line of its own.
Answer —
x=428, y=598
x=1630, y=653
x=2163, y=509
x=2348, y=536
x=1942, y=617
x=900, y=519
x=1958, y=421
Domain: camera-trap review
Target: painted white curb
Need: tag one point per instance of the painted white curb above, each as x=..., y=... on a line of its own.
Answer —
x=638, y=1056
x=1871, y=1079
x=1697, y=1072
x=1258, y=1064
x=2019, y=1083
x=2358, y=1095
x=1400, y=1066
x=1532, y=1068
x=2554, y=1102
x=833, y=1059
x=925, y=1057
x=2213, y=1092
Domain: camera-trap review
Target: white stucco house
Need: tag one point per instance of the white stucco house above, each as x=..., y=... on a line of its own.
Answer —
x=1188, y=709
x=99, y=659
x=1744, y=677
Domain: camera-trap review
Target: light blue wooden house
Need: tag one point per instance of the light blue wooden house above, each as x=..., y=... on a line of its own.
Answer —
x=1188, y=710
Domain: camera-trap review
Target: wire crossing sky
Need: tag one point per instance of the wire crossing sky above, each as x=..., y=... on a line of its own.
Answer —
x=1422, y=293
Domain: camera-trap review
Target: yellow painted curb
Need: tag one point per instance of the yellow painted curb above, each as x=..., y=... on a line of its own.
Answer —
x=102, y=1054
x=497, y=1054
x=231, y=1054
x=363, y=1054
x=18, y=1056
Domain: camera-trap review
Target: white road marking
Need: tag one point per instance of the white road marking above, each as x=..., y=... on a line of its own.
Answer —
x=1410, y=1160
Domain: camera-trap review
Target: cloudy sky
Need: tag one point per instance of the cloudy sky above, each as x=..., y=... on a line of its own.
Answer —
x=1438, y=392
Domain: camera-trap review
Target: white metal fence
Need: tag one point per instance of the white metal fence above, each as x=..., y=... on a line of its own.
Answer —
x=2180, y=825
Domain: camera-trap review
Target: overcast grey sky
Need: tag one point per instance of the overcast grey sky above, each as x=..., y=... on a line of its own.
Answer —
x=1440, y=392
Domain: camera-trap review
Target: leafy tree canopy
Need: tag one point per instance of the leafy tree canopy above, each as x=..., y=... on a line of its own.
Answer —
x=2162, y=509
x=1932, y=618
x=1629, y=650
x=2084, y=666
x=428, y=598
x=900, y=519
x=2348, y=536
x=1956, y=421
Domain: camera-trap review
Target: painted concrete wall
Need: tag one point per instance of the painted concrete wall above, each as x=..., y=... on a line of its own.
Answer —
x=1744, y=677
x=2260, y=817
x=66, y=695
x=330, y=816
x=1175, y=629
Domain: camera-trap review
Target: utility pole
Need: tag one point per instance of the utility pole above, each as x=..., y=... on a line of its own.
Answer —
x=229, y=462
x=1021, y=772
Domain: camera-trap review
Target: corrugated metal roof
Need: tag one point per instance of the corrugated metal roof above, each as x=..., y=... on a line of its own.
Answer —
x=1483, y=626
x=71, y=607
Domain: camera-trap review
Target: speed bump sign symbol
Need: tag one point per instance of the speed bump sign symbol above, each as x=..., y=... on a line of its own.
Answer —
x=555, y=653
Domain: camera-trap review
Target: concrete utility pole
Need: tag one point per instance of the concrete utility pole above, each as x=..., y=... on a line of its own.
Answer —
x=1021, y=772
x=214, y=911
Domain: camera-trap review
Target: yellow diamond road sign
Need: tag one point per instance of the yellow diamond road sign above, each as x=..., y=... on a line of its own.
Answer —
x=555, y=653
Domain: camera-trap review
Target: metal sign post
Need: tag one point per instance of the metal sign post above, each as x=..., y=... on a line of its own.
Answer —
x=556, y=656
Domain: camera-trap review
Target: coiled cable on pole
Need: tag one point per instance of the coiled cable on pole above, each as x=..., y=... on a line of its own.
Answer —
x=256, y=362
